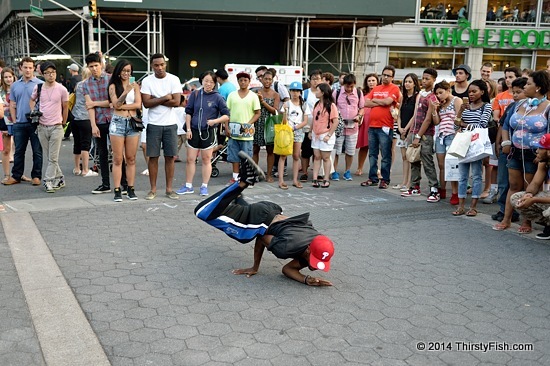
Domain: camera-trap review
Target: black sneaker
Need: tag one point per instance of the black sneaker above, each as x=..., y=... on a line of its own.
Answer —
x=102, y=189
x=131, y=194
x=124, y=190
x=118, y=195
x=249, y=171
x=545, y=235
x=499, y=216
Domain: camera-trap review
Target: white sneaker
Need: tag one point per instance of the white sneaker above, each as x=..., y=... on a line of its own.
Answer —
x=145, y=172
x=90, y=173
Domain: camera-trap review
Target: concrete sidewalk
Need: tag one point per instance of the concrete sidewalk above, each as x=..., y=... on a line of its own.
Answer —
x=153, y=285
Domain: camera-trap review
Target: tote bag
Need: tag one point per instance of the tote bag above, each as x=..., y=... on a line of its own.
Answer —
x=284, y=139
x=269, y=128
x=480, y=146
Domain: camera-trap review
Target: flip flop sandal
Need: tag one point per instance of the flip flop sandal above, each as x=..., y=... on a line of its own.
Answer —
x=369, y=183
x=325, y=184
x=500, y=227
x=315, y=184
x=459, y=212
x=524, y=230
x=299, y=185
x=471, y=212
x=283, y=186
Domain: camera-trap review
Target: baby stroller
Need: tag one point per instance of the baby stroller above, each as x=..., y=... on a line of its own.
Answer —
x=94, y=155
x=220, y=154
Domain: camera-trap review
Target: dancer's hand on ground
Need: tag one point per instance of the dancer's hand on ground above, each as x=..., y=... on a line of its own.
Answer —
x=314, y=281
x=246, y=271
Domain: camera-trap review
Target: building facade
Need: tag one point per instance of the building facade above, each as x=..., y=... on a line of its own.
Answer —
x=444, y=34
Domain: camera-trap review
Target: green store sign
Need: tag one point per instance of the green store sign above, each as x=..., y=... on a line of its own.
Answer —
x=466, y=36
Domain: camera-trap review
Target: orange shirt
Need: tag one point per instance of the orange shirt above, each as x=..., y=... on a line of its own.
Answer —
x=380, y=116
x=501, y=101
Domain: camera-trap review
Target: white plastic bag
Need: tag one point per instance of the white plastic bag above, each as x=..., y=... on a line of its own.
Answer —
x=480, y=147
x=451, y=168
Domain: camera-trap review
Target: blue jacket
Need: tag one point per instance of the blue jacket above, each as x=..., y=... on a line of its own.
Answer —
x=203, y=106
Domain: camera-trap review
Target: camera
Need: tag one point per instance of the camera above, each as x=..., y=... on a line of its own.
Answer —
x=34, y=116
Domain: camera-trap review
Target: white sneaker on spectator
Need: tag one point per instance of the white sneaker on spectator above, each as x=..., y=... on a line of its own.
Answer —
x=90, y=173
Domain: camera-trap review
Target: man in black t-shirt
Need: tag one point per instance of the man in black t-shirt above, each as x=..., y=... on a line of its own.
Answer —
x=74, y=79
x=286, y=237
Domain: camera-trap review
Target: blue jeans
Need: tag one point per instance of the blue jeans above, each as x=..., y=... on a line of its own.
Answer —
x=22, y=133
x=477, y=180
x=502, y=180
x=380, y=142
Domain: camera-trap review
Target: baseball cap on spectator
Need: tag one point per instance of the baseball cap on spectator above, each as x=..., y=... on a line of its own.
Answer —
x=465, y=68
x=295, y=85
x=321, y=250
x=47, y=65
x=243, y=75
x=73, y=67
x=543, y=143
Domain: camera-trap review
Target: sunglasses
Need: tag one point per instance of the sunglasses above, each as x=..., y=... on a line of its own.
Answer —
x=317, y=116
x=347, y=100
x=387, y=76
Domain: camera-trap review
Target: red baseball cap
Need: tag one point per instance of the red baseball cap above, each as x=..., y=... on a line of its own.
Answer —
x=321, y=251
x=543, y=143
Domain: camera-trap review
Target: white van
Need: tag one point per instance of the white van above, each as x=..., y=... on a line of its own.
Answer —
x=285, y=74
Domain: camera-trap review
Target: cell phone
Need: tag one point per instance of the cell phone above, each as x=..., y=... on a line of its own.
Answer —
x=466, y=100
x=132, y=79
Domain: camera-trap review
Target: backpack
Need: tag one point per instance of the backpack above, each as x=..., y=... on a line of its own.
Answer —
x=358, y=90
x=72, y=101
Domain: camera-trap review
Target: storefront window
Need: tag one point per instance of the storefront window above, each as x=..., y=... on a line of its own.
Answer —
x=545, y=16
x=438, y=58
x=542, y=60
x=443, y=10
x=501, y=61
x=504, y=12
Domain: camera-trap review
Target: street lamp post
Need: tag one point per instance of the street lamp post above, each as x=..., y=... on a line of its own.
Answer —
x=193, y=65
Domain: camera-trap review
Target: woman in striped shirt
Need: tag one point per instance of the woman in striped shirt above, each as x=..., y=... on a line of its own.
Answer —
x=444, y=112
x=477, y=112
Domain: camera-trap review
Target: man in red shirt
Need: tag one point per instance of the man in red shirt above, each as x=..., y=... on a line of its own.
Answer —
x=381, y=99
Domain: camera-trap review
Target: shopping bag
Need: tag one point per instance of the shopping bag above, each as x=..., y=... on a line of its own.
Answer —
x=269, y=128
x=451, y=168
x=480, y=146
x=461, y=143
x=284, y=139
x=413, y=154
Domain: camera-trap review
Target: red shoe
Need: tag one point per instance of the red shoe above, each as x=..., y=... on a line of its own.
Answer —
x=454, y=199
x=442, y=193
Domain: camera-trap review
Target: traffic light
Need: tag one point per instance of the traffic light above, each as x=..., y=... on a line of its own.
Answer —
x=93, y=8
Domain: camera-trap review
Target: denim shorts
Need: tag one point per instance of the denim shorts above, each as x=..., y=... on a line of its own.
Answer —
x=233, y=148
x=443, y=143
x=120, y=126
x=523, y=161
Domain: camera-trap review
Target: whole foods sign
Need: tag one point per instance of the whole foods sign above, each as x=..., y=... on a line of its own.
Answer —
x=465, y=36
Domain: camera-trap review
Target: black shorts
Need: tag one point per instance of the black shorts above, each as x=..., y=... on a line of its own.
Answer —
x=307, y=151
x=203, y=140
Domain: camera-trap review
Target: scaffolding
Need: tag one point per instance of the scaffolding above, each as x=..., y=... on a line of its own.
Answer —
x=138, y=35
x=27, y=35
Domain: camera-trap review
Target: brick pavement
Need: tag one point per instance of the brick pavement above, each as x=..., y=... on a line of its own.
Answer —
x=156, y=283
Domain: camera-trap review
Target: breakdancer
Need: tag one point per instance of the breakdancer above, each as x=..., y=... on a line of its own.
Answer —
x=286, y=237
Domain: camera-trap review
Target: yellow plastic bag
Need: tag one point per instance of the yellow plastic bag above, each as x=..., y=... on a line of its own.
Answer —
x=284, y=139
